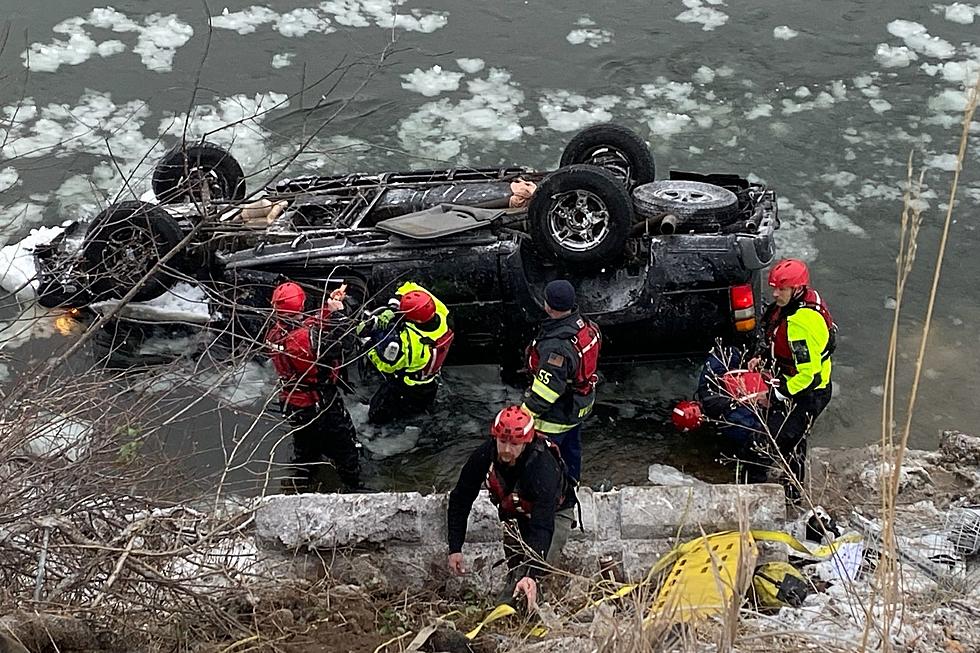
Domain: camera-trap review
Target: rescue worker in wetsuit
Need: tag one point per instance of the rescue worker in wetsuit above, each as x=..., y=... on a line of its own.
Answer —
x=535, y=500
x=562, y=360
x=307, y=355
x=799, y=339
x=409, y=346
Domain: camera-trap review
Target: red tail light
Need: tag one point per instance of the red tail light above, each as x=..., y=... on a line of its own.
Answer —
x=742, y=297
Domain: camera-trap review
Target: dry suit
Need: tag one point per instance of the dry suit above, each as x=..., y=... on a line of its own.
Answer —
x=533, y=495
x=308, y=357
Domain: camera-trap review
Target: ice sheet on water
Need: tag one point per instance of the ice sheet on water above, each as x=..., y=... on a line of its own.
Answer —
x=182, y=303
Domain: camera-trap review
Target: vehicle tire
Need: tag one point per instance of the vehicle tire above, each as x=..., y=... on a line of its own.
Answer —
x=697, y=206
x=619, y=150
x=581, y=215
x=123, y=243
x=182, y=172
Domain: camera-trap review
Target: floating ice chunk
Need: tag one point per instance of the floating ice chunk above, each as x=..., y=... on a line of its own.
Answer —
x=282, y=59
x=894, y=56
x=784, y=33
x=8, y=177
x=943, y=162
x=833, y=219
x=245, y=21
x=802, y=92
x=109, y=18
x=591, y=37
x=703, y=75
x=565, y=111
x=949, y=100
x=759, y=111
x=302, y=21
x=79, y=48
x=863, y=81
x=667, y=123
x=708, y=17
x=879, y=106
x=585, y=21
x=17, y=272
x=961, y=13
x=917, y=38
x=431, y=82
x=159, y=40
x=182, y=303
x=471, y=66
x=839, y=179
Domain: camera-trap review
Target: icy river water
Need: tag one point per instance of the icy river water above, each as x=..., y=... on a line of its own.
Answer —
x=824, y=101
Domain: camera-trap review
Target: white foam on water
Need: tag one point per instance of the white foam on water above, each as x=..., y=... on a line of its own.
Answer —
x=708, y=17
x=784, y=33
x=894, y=56
x=959, y=12
x=282, y=59
x=492, y=112
x=591, y=37
x=565, y=111
x=918, y=38
x=300, y=22
x=245, y=21
x=431, y=82
x=947, y=162
x=470, y=65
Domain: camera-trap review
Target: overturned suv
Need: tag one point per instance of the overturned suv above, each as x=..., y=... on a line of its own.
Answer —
x=665, y=267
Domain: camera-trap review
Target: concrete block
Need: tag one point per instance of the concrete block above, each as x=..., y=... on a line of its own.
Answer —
x=324, y=521
x=661, y=512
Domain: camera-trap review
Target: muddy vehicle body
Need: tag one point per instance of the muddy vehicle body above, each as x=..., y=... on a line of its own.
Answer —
x=665, y=267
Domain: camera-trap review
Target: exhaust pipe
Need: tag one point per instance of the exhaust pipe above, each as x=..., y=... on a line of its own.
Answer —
x=668, y=224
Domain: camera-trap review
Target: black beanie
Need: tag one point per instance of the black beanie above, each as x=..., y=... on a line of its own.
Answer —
x=560, y=295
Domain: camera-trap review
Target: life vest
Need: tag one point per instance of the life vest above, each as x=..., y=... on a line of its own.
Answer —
x=587, y=343
x=775, y=322
x=510, y=503
x=293, y=352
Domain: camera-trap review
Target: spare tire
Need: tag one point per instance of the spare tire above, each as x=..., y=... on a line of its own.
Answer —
x=123, y=243
x=185, y=171
x=697, y=205
x=581, y=215
x=615, y=148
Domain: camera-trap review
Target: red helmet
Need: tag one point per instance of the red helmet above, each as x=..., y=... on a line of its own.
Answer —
x=789, y=273
x=744, y=385
x=288, y=297
x=514, y=425
x=687, y=416
x=417, y=306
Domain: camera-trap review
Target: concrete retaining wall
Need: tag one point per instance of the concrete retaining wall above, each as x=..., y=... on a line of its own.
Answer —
x=399, y=539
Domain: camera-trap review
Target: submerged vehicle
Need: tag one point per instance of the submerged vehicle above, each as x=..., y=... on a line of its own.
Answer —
x=663, y=266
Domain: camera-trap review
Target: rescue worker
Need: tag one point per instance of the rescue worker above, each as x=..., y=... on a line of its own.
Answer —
x=535, y=500
x=410, y=342
x=736, y=401
x=562, y=360
x=799, y=339
x=307, y=355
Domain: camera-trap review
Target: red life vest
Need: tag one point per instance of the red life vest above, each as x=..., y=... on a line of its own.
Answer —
x=587, y=343
x=294, y=358
x=776, y=326
x=440, y=349
x=511, y=504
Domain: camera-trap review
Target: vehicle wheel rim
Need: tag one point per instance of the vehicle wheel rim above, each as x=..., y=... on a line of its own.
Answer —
x=579, y=220
x=691, y=196
x=614, y=160
x=203, y=185
x=129, y=255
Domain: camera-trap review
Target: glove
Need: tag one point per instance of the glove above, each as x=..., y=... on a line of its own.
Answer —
x=385, y=318
x=361, y=326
